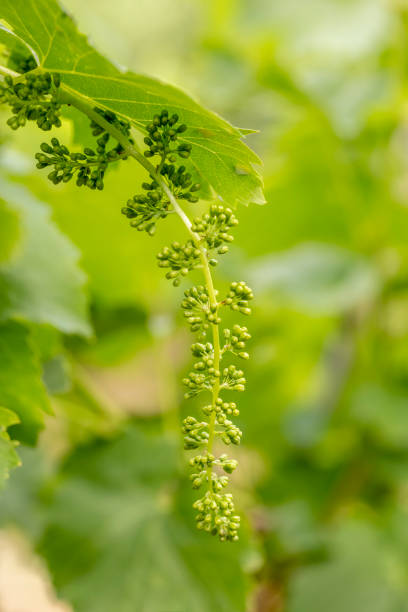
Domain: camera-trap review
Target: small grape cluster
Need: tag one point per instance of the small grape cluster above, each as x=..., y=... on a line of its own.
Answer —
x=214, y=226
x=32, y=97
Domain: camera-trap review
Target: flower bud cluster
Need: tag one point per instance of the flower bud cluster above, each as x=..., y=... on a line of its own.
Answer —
x=32, y=99
x=235, y=341
x=222, y=409
x=162, y=133
x=180, y=258
x=233, y=379
x=198, y=311
x=238, y=297
x=88, y=167
x=231, y=434
x=195, y=433
x=228, y=465
x=205, y=351
x=213, y=229
x=214, y=226
x=201, y=379
x=215, y=510
x=162, y=141
x=180, y=182
x=216, y=516
x=145, y=210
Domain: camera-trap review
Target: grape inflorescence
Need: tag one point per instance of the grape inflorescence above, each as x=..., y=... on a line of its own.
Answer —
x=35, y=97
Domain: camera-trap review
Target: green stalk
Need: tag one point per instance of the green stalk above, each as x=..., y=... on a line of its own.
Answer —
x=217, y=358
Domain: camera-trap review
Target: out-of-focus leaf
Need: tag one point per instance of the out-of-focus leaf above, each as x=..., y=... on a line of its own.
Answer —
x=294, y=528
x=356, y=577
x=81, y=407
x=56, y=375
x=43, y=282
x=317, y=277
x=20, y=500
x=47, y=340
x=115, y=541
x=383, y=413
x=8, y=456
x=9, y=231
x=21, y=387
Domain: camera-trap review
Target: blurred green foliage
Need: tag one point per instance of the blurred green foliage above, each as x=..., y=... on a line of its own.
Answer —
x=325, y=455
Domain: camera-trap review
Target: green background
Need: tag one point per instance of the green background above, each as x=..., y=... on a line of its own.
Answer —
x=322, y=478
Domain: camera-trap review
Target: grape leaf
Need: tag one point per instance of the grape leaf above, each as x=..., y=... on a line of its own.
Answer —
x=218, y=154
x=21, y=387
x=42, y=283
x=114, y=541
x=8, y=456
